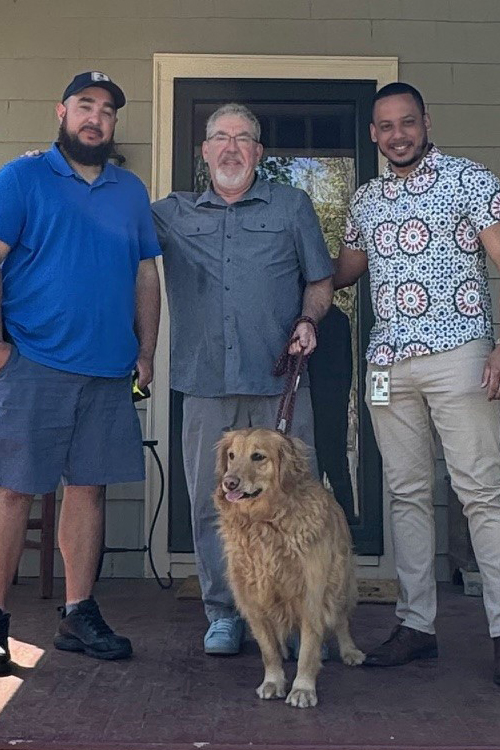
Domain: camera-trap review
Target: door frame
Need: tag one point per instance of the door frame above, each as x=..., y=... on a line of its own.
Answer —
x=166, y=68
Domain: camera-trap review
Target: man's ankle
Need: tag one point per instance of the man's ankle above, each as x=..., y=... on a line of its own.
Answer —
x=70, y=607
x=72, y=603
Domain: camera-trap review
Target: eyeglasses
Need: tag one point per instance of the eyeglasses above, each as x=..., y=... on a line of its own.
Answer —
x=224, y=139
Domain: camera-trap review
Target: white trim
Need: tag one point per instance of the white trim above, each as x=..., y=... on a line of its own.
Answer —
x=166, y=68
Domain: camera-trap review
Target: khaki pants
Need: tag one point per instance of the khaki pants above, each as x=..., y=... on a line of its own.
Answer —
x=447, y=388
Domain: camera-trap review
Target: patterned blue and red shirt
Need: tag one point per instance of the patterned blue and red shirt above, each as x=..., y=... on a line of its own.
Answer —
x=428, y=274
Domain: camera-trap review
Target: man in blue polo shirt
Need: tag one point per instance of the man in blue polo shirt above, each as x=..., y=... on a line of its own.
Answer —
x=80, y=308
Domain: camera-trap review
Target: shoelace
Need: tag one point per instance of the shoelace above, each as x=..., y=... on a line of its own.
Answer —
x=93, y=617
x=222, y=627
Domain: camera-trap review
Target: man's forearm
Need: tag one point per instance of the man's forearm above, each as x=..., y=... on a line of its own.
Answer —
x=317, y=299
x=5, y=348
x=349, y=267
x=147, y=316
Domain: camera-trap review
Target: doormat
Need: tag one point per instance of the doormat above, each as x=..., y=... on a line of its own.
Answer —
x=384, y=591
x=189, y=589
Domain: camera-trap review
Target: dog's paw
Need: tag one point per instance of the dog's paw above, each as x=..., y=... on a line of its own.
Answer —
x=269, y=690
x=353, y=657
x=302, y=697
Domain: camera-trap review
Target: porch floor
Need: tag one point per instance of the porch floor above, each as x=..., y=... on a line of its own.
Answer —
x=170, y=695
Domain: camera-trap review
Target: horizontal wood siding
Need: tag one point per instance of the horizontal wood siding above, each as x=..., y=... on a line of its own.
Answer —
x=447, y=48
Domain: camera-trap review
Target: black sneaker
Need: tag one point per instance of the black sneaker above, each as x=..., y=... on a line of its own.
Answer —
x=4, y=643
x=85, y=630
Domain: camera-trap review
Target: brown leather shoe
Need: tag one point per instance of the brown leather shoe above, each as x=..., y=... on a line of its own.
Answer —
x=496, y=660
x=404, y=645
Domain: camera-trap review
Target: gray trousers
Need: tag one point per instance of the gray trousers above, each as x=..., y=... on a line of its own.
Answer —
x=204, y=422
x=447, y=388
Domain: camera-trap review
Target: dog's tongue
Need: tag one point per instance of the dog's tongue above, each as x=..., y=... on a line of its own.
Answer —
x=234, y=495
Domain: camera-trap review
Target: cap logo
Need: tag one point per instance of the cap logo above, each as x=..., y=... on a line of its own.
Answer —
x=97, y=76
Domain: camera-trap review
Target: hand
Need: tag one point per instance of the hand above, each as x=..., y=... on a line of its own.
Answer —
x=491, y=375
x=5, y=352
x=35, y=152
x=144, y=369
x=306, y=342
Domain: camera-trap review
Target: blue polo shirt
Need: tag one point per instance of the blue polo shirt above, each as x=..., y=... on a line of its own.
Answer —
x=69, y=278
x=235, y=276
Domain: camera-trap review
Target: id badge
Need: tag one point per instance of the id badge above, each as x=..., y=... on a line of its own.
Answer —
x=380, y=388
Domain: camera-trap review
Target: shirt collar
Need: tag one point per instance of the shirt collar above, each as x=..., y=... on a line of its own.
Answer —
x=61, y=166
x=259, y=190
x=428, y=164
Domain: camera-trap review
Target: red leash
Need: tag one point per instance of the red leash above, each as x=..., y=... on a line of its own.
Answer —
x=294, y=365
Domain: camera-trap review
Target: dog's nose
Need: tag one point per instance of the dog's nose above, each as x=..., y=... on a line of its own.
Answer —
x=230, y=482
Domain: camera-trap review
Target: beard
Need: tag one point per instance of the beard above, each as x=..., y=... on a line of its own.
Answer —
x=230, y=181
x=417, y=156
x=81, y=153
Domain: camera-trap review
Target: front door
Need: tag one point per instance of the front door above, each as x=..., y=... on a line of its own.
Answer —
x=316, y=137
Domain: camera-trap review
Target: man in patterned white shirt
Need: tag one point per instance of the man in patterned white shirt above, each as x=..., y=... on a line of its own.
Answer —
x=423, y=229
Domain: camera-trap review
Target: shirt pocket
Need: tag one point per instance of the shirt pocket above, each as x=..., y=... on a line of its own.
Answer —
x=264, y=225
x=195, y=227
x=267, y=239
x=195, y=244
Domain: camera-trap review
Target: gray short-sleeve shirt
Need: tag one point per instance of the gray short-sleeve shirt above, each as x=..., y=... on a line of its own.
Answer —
x=235, y=276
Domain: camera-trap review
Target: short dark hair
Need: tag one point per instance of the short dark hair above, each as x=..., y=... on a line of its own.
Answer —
x=396, y=89
x=239, y=110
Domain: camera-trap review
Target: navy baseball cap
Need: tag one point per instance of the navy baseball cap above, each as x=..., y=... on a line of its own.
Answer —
x=95, y=78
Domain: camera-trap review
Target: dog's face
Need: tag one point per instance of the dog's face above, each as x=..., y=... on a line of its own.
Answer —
x=256, y=467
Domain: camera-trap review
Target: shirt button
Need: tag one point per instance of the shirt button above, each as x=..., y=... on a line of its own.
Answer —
x=230, y=346
x=226, y=317
x=228, y=260
x=226, y=288
x=262, y=225
x=228, y=236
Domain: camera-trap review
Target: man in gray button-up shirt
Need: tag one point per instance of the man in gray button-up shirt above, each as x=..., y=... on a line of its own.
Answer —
x=242, y=262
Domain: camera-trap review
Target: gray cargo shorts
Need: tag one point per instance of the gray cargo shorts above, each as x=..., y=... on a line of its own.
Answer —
x=56, y=424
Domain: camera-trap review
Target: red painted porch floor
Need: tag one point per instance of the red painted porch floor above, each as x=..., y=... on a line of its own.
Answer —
x=171, y=696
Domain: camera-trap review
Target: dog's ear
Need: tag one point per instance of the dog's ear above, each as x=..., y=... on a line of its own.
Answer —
x=293, y=463
x=221, y=456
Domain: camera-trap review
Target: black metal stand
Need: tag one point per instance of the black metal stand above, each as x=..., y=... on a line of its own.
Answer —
x=151, y=444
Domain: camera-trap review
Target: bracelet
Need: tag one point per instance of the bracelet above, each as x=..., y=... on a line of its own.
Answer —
x=497, y=342
x=306, y=319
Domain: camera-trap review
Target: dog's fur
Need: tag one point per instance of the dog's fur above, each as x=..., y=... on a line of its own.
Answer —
x=288, y=554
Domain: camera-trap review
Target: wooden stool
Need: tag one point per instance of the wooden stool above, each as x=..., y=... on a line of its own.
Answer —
x=46, y=525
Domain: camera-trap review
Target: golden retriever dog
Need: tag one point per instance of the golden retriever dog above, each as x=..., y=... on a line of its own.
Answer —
x=289, y=556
